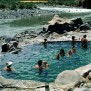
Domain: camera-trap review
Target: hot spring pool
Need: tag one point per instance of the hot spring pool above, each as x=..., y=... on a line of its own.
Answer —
x=25, y=61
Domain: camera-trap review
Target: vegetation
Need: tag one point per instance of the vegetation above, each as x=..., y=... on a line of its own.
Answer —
x=63, y=2
x=15, y=4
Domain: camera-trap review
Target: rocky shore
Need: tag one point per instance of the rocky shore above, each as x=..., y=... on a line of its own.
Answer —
x=24, y=13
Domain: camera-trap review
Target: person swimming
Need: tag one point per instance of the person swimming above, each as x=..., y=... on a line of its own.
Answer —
x=62, y=53
x=8, y=66
x=58, y=56
x=71, y=51
x=45, y=65
x=45, y=43
x=39, y=66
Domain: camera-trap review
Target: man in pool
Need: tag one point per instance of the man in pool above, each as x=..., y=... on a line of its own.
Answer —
x=45, y=43
x=73, y=42
x=84, y=42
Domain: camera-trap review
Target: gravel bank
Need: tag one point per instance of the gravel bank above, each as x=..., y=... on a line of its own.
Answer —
x=24, y=13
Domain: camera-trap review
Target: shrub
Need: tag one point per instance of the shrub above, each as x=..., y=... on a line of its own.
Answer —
x=2, y=6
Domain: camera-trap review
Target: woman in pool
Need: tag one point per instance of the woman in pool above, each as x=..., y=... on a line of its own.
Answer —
x=8, y=67
x=45, y=65
x=62, y=53
x=71, y=51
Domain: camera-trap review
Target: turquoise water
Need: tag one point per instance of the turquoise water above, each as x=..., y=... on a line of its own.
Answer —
x=25, y=61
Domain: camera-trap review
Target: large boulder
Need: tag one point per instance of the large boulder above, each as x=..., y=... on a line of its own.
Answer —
x=77, y=22
x=60, y=25
x=83, y=69
x=84, y=26
x=59, y=20
x=82, y=89
x=5, y=47
x=68, y=77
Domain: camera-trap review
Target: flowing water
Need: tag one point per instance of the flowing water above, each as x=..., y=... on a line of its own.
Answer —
x=10, y=27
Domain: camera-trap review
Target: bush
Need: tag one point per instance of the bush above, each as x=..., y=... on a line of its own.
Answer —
x=2, y=6
x=13, y=7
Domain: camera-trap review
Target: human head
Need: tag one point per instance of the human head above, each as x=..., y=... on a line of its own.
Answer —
x=62, y=53
x=73, y=37
x=45, y=39
x=40, y=62
x=62, y=50
x=45, y=62
x=84, y=36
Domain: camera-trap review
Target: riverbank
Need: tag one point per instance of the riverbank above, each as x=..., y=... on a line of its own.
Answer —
x=40, y=10
x=24, y=13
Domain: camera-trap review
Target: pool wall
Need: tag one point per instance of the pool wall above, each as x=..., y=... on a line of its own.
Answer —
x=29, y=85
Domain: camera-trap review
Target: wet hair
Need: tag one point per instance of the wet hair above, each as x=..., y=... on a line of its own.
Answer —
x=73, y=37
x=84, y=36
x=40, y=62
x=62, y=52
x=45, y=39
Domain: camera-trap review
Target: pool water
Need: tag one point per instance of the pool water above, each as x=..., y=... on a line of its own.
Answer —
x=25, y=61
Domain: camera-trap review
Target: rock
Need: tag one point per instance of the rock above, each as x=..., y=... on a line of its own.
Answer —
x=19, y=85
x=77, y=22
x=60, y=25
x=5, y=47
x=83, y=69
x=68, y=77
x=81, y=89
x=84, y=27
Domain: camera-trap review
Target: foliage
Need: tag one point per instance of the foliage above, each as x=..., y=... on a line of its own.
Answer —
x=15, y=4
x=62, y=2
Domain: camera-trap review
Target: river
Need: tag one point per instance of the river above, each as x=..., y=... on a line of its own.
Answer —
x=10, y=27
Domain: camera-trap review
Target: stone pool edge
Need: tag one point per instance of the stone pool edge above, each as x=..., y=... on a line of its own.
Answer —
x=30, y=85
